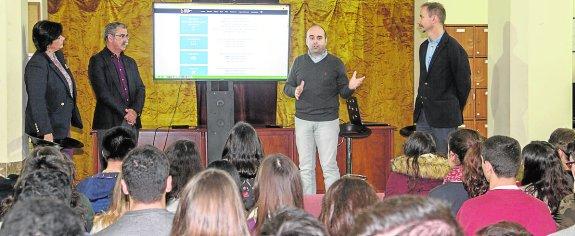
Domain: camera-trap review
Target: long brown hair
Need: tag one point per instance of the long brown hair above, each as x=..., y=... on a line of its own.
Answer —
x=473, y=179
x=210, y=204
x=278, y=183
x=342, y=201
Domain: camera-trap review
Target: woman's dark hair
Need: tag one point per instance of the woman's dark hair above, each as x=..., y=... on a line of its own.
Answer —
x=417, y=144
x=44, y=32
x=544, y=174
x=43, y=183
x=461, y=140
x=228, y=167
x=243, y=149
x=344, y=199
x=185, y=162
x=50, y=158
x=117, y=142
x=473, y=179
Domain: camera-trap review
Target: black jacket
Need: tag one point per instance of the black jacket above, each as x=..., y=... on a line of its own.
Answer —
x=110, y=107
x=50, y=107
x=443, y=90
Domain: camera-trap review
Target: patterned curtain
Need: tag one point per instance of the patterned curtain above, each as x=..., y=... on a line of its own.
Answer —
x=372, y=37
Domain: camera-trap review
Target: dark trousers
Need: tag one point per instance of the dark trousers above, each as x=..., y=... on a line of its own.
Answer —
x=439, y=134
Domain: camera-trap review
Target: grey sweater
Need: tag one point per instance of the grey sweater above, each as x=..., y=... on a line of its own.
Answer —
x=324, y=81
x=153, y=222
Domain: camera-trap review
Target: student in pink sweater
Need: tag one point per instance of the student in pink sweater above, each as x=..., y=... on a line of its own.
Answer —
x=504, y=201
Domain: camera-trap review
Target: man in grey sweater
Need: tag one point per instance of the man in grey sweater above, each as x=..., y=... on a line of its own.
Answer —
x=317, y=106
x=146, y=180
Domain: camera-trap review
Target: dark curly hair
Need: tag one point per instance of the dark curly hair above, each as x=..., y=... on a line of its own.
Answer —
x=544, y=174
x=185, y=163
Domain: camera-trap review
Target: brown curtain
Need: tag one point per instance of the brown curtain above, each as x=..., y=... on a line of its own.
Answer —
x=374, y=38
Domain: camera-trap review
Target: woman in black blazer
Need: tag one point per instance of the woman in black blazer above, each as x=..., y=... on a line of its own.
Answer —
x=51, y=107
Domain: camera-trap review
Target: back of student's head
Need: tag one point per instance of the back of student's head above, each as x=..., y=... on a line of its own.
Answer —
x=543, y=174
x=48, y=184
x=504, y=228
x=278, y=183
x=342, y=201
x=243, y=149
x=51, y=184
x=288, y=221
x=418, y=143
x=42, y=217
x=145, y=171
x=47, y=158
x=185, y=162
x=561, y=137
x=407, y=215
x=228, y=167
x=461, y=140
x=117, y=142
x=210, y=204
x=504, y=155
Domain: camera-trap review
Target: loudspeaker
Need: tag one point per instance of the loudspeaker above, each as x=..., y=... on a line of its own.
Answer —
x=220, y=111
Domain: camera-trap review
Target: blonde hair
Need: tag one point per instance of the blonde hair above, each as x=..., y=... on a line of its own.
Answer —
x=118, y=206
x=210, y=204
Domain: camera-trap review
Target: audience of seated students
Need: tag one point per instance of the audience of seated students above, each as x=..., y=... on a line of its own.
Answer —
x=185, y=162
x=41, y=216
x=504, y=201
x=419, y=169
x=50, y=158
x=146, y=180
x=543, y=175
x=118, y=206
x=342, y=201
x=288, y=221
x=452, y=190
x=210, y=204
x=243, y=148
x=474, y=180
x=116, y=143
x=504, y=228
x=228, y=167
x=566, y=211
x=278, y=184
x=407, y=215
x=560, y=138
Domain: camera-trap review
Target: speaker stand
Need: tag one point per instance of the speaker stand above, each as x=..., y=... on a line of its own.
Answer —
x=220, y=116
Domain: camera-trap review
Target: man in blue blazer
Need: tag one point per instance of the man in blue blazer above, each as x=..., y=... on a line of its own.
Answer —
x=114, y=76
x=444, y=79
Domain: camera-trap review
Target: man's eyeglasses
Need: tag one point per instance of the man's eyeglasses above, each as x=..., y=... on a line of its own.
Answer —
x=122, y=36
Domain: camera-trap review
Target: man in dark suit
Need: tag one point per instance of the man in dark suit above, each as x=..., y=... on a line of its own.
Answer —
x=51, y=106
x=444, y=79
x=119, y=90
